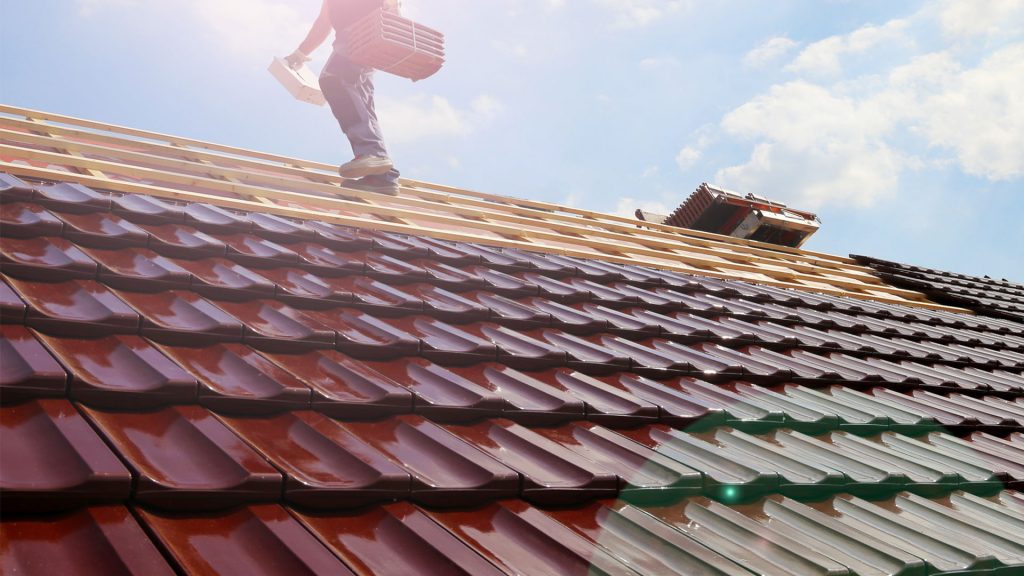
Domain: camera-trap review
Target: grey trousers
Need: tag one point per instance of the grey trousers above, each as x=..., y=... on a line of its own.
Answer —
x=348, y=88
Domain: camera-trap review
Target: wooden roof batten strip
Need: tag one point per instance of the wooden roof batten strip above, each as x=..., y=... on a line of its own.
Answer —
x=227, y=181
x=242, y=177
x=413, y=194
x=335, y=202
x=319, y=171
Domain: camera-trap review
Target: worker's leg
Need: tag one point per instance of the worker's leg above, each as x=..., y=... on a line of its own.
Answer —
x=348, y=89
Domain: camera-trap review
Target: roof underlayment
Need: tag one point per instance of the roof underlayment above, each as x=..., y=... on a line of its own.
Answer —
x=219, y=361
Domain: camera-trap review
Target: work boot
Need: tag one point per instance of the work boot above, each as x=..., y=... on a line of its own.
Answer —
x=365, y=166
x=374, y=184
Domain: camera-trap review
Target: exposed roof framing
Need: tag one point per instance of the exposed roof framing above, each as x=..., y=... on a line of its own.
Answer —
x=54, y=147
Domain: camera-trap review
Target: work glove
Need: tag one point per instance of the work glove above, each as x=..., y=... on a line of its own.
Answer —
x=296, y=59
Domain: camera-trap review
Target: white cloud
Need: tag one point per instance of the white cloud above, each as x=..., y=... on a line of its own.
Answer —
x=850, y=140
x=687, y=157
x=817, y=145
x=638, y=13
x=976, y=113
x=823, y=57
x=769, y=51
x=253, y=28
x=91, y=7
x=813, y=147
x=655, y=64
x=420, y=116
x=966, y=18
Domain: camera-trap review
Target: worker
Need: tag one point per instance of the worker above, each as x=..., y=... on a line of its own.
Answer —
x=348, y=88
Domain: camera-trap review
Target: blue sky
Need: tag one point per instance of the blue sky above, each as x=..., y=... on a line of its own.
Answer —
x=900, y=123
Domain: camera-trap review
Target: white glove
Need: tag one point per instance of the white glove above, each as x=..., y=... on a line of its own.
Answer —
x=296, y=59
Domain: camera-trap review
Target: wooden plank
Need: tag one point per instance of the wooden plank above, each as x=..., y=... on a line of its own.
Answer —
x=372, y=224
x=536, y=208
x=617, y=233
x=513, y=231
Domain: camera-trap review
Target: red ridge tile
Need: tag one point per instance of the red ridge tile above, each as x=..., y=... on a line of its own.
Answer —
x=276, y=327
x=23, y=220
x=47, y=259
x=75, y=308
x=604, y=403
x=644, y=475
x=28, y=370
x=445, y=470
x=551, y=474
x=535, y=403
x=51, y=459
x=179, y=317
x=442, y=394
x=121, y=371
x=234, y=378
x=223, y=278
x=138, y=269
x=365, y=336
x=345, y=388
x=184, y=458
x=67, y=197
x=325, y=466
x=96, y=541
x=521, y=539
x=180, y=241
x=102, y=230
x=140, y=209
x=397, y=539
x=255, y=540
x=13, y=188
x=12, y=308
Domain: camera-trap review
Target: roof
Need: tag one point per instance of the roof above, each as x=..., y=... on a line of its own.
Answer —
x=193, y=381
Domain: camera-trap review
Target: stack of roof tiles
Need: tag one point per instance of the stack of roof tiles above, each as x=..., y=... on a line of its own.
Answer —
x=1000, y=298
x=187, y=388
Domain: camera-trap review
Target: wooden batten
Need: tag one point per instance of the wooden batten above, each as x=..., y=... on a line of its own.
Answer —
x=104, y=156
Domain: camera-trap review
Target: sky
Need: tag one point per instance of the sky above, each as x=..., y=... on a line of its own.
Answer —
x=901, y=124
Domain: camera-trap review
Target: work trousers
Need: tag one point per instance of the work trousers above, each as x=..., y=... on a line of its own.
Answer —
x=348, y=88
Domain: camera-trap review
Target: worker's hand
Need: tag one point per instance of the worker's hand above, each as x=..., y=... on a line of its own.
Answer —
x=296, y=59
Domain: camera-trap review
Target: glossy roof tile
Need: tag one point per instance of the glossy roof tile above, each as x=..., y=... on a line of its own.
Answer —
x=521, y=539
x=121, y=371
x=395, y=539
x=75, y=308
x=445, y=470
x=182, y=317
x=28, y=370
x=51, y=459
x=550, y=473
x=45, y=258
x=325, y=466
x=183, y=457
x=260, y=539
x=98, y=541
x=344, y=387
x=236, y=378
x=294, y=391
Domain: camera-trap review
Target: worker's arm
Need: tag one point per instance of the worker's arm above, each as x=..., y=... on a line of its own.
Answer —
x=318, y=33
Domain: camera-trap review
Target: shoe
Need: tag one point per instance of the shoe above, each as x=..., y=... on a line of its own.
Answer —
x=365, y=166
x=375, y=185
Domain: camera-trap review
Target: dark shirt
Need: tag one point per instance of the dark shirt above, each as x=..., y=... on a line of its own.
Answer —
x=344, y=13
